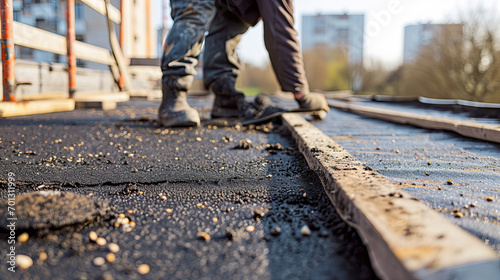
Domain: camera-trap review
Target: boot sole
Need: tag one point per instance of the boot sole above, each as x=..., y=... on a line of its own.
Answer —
x=186, y=120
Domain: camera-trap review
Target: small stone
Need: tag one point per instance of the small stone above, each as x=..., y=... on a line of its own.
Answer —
x=23, y=237
x=449, y=182
x=198, y=139
x=203, y=235
x=110, y=257
x=323, y=233
x=169, y=210
x=132, y=224
x=269, y=176
x=378, y=148
x=472, y=204
x=23, y=261
x=490, y=199
x=143, y=269
x=113, y=248
x=100, y=241
x=93, y=236
x=121, y=216
x=458, y=215
x=125, y=221
x=305, y=230
x=276, y=231
x=244, y=144
x=427, y=174
x=43, y=256
x=250, y=228
x=99, y=261
x=215, y=220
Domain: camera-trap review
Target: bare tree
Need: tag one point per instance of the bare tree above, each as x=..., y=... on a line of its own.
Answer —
x=328, y=68
x=261, y=78
x=463, y=61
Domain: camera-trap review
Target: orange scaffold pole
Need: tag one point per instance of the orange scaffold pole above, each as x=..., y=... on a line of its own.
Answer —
x=70, y=41
x=8, y=56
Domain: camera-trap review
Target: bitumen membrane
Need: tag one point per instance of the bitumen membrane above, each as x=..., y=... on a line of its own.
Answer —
x=179, y=203
x=457, y=176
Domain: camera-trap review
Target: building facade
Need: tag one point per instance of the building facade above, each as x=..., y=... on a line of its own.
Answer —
x=338, y=30
x=139, y=40
x=342, y=31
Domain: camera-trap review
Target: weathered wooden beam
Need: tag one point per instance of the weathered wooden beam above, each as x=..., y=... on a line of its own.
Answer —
x=99, y=6
x=32, y=37
x=475, y=130
x=22, y=108
x=99, y=100
x=405, y=238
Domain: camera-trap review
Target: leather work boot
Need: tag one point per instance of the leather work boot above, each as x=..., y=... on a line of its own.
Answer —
x=174, y=110
x=229, y=102
x=314, y=102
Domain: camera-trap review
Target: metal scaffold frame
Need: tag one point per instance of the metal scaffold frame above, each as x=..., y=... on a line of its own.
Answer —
x=16, y=33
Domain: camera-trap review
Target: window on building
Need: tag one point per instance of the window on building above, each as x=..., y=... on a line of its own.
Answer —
x=78, y=11
x=17, y=15
x=320, y=29
x=343, y=36
x=25, y=52
x=40, y=22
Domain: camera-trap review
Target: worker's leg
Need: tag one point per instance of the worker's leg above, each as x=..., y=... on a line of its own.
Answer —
x=284, y=51
x=221, y=65
x=183, y=46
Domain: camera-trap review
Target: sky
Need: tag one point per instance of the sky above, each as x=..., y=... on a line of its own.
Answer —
x=384, y=23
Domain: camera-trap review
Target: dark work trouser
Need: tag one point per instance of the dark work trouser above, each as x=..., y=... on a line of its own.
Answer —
x=280, y=37
x=192, y=18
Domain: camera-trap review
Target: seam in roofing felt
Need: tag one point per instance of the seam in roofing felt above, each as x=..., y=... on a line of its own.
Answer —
x=486, y=132
x=405, y=238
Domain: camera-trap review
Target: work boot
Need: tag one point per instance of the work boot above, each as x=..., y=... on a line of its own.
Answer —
x=174, y=110
x=229, y=102
x=313, y=102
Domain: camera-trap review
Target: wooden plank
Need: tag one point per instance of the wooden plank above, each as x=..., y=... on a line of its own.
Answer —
x=22, y=108
x=101, y=96
x=99, y=100
x=405, y=238
x=99, y=6
x=475, y=130
x=101, y=105
x=93, y=53
x=32, y=37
